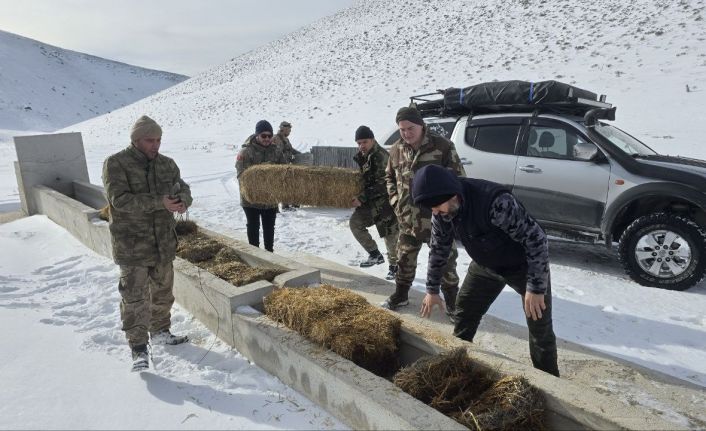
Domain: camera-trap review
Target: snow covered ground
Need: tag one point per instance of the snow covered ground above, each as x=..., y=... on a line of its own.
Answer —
x=642, y=55
x=64, y=363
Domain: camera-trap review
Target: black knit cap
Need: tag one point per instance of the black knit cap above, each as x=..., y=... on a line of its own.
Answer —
x=263, y=126
x=433, y=201
x=433, y=185
x=364, y=132
x=409, y=113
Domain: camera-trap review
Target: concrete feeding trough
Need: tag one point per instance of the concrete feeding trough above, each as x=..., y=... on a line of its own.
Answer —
x=45, y=173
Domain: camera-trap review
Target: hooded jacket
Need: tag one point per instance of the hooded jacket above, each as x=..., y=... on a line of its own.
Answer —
x=492, y=225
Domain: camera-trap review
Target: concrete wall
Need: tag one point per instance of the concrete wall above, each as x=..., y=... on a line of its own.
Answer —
x=50, y=160
x=89, y=194
x=79, y=219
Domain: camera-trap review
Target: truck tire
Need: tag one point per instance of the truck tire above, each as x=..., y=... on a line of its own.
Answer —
x=664, y=250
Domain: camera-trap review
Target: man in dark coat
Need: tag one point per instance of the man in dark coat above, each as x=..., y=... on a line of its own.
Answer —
x=258, y=149
x=507, y=246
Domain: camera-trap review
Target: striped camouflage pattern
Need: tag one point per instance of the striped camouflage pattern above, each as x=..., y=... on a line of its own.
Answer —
x=141, y=229
x=285, y=146
x=403, y=163
x=252, y=154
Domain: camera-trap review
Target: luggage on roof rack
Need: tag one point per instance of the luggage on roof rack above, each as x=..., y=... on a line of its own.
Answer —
x=516, y=96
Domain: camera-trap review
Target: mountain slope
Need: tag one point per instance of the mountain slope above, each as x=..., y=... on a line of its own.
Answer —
x=359, y=65
x=45, y=88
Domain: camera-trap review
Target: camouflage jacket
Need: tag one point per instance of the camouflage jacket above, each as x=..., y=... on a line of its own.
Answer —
x=252, y=154
x=404, y=161
x=141, y=229
x=285, y=147
x=374, y=193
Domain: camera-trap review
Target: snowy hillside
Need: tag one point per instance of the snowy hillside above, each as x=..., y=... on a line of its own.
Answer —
x=361, y=64
x=44, y=88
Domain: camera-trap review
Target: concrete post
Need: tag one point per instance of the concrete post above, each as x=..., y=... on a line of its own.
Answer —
x=54, y=161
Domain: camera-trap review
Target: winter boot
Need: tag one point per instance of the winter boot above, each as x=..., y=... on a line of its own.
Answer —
x=166, y=337
x=392, y=273
x=394, y=302
x=375, y=258
x=140, y=358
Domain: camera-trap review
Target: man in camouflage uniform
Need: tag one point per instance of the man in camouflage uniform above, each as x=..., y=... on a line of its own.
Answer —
x=256, y=150
x=144, y=190
x=417, y=147
x=372, y=205
x=281, y=140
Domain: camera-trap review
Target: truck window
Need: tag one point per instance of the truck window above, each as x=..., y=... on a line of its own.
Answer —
x=496, y=138
x=552, y=142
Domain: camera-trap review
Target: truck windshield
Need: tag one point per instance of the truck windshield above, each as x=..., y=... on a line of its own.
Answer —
x=623, y=141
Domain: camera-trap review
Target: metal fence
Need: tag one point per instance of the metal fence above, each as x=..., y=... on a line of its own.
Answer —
x=334, y=156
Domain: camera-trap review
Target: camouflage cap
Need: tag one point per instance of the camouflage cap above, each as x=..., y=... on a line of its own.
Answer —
x=145, y=127
x=285, y=124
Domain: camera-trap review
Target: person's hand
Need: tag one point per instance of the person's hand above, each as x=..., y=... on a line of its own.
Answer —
x=356, y=203
x=430, y=300
x=534, y=305
x=173, y=204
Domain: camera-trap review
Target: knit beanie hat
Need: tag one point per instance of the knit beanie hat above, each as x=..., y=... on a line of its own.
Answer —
x=364, y=132
x=263, y=126
x=409, y=113
x=433, y=185
x=145, y=127
x=433, y=201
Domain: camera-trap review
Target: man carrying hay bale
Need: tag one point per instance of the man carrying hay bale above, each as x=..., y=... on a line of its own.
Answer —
x=416, y=147
x=507, y=247
x=259, y=149
x=281, y=140
x=144, y=189
x=372, y=205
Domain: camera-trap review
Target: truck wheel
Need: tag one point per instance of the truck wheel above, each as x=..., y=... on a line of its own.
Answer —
x=664, y=250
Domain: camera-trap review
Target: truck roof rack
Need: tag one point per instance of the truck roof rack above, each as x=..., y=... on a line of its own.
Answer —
x=433, y=105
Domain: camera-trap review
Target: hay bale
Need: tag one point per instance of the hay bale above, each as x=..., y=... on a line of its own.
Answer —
x=222, y=261
x=104, y=213
x=510, y=403
x=227, y=254
x=448, y=382
x=185, y=227
x=198, y=249
x=240, y=274
x=318, y=186
x=341, y=321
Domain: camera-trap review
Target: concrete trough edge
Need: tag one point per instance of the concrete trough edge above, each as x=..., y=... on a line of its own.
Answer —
x=83, y=222
x=354, y=395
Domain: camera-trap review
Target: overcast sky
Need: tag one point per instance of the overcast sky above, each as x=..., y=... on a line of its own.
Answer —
x=181, y=36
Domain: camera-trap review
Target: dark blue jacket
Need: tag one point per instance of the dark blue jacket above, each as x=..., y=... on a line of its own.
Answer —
x=492, y=225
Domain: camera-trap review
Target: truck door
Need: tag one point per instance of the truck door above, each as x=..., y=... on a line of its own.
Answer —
x=487, y=148
x=554, y=186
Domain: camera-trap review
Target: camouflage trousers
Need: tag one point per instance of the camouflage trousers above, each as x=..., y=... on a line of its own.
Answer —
x=408, y=248
x=362, y=219
x=481, y=288
x=147, y=300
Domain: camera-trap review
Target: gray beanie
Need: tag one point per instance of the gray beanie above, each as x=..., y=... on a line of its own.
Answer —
x=145, y=127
